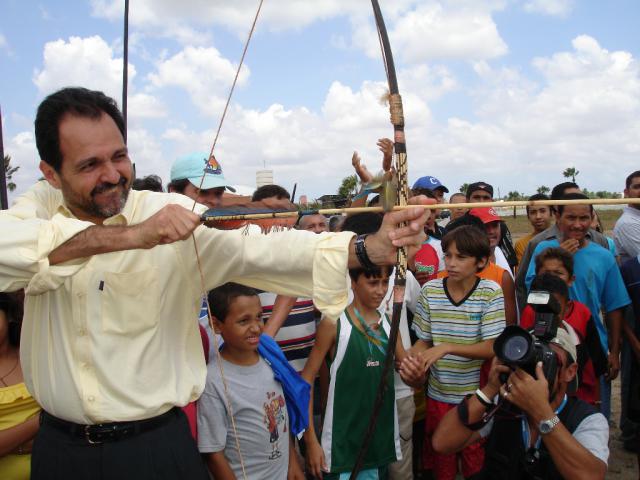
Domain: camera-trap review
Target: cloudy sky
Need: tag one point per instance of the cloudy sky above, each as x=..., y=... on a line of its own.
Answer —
x=506, y=91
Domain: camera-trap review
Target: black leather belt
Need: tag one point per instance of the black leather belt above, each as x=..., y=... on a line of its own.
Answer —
x=107, y=432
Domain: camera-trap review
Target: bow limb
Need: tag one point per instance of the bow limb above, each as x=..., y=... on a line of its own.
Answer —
x=397, y=119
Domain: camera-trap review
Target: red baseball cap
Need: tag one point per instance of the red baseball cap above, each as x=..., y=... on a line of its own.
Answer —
x=487, y=215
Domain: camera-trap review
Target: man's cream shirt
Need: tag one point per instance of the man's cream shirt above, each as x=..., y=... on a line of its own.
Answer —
x=114, y=337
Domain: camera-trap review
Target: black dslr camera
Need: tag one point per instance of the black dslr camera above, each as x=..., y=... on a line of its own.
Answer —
x=516, y=347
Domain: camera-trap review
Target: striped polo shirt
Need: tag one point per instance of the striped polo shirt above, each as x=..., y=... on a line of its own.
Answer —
x=298, y=332
x=478, y=317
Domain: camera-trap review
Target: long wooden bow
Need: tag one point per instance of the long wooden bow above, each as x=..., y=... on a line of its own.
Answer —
x=400, y=148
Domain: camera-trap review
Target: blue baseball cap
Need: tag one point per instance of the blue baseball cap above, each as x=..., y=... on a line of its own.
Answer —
x=193, y=166
x=429, y=183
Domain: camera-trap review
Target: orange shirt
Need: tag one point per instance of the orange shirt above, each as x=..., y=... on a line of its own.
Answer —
x=490, y=272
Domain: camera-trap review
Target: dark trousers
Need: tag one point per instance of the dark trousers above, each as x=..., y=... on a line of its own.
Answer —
x=167, y=452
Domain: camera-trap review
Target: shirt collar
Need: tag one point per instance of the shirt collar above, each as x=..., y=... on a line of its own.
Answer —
x=123, y=218
x=631, y=211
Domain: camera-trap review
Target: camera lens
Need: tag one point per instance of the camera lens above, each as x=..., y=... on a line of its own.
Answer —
x=515, y=348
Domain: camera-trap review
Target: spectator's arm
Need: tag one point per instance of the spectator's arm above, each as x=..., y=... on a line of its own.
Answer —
x=570, y=458
x=295, y=470
x=281, y=309
x=18, y=435
x=615, y=320
x=325, y=341
x=509, y=292
x=219, y=466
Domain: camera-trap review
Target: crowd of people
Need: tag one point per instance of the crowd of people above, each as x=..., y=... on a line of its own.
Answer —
x=125, y=352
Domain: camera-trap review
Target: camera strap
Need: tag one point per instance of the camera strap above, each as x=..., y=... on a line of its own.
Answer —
x=526, y=434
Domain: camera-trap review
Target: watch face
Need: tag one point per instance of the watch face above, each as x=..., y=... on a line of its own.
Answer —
x=546, y=426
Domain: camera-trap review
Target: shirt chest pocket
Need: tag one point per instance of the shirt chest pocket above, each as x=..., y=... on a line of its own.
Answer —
x=130, y=301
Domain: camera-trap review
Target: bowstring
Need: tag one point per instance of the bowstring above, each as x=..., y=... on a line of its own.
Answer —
x=197, y=253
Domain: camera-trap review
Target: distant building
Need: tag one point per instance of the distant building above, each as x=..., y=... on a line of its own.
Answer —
x=264, y=177
x=303, y=200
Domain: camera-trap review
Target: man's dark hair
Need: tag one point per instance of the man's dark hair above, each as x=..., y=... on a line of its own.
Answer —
x=469, y=240
x=76, y=101
x=558, y=191
x=631, y=177
x=537, y=196
x=362, y=223
x=270, y=191
x=377, y=272
x=178, y=186
x=555, y=253
x=572, y=196
x=11, y=305
x=220, y=298
x=152, y=183
x=548, y=282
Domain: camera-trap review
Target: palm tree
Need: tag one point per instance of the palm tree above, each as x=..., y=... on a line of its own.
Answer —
x=9, y=171
x=543, y=189
x=348, y=186
x=464, y=187
x=571, y=172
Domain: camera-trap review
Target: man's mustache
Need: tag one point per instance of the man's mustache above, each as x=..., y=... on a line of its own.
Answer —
x=103, y=187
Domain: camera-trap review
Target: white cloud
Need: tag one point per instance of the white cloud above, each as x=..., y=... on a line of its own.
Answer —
x=142, y=105
x=585, y=114
x=4, y=45
x=203, y=73
x=88, y=62
x=550, y=7
x=432, y=31
x=436, y=30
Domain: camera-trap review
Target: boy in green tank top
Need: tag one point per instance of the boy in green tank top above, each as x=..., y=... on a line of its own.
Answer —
x=354, y=347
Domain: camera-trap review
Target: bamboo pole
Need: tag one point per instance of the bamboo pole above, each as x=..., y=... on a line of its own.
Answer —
x=211, y=215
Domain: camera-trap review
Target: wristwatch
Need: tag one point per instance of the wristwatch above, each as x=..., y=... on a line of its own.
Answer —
x=546, y=426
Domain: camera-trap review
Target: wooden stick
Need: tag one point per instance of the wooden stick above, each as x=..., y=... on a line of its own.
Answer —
x=441, y=206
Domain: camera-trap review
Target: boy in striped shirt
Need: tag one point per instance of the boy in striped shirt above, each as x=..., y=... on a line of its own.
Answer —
x=457, y=318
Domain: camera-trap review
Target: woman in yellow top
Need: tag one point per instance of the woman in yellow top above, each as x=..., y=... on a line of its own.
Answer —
x=18, y=410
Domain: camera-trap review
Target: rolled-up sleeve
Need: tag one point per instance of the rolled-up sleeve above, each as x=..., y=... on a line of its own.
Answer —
x=293, y=263
x=25, y=245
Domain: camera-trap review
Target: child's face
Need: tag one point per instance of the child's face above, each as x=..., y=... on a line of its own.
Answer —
x=460, y=266
x=555, y=267
x=243, y=325
x=370, y=291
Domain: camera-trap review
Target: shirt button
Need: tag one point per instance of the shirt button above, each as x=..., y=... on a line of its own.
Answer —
x=82, y=332
x=91, y=398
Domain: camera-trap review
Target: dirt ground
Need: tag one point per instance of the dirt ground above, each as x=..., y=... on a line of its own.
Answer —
x=622, y=464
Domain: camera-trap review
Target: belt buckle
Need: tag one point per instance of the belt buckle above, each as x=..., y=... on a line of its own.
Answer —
x=87, y=436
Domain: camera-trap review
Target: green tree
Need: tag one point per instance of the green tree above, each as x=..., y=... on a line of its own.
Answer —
x=464, y=187
x=543, y=189
x=348, y=186
x=9, y=171
x=571, y=173
x=515, y=195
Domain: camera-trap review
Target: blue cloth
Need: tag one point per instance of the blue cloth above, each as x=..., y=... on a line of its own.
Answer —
x=598, y=282
x=296, y=390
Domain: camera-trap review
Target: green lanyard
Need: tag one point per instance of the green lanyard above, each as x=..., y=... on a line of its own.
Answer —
x=373, y=336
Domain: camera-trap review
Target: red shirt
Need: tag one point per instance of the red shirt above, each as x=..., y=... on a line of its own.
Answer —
x=578, y=316
x=427, y=260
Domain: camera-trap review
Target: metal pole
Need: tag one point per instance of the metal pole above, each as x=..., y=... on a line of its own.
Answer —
x=4, y=201
x=125, y=67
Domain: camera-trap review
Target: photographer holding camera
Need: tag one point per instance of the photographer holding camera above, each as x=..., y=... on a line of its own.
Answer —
x=535, y=431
